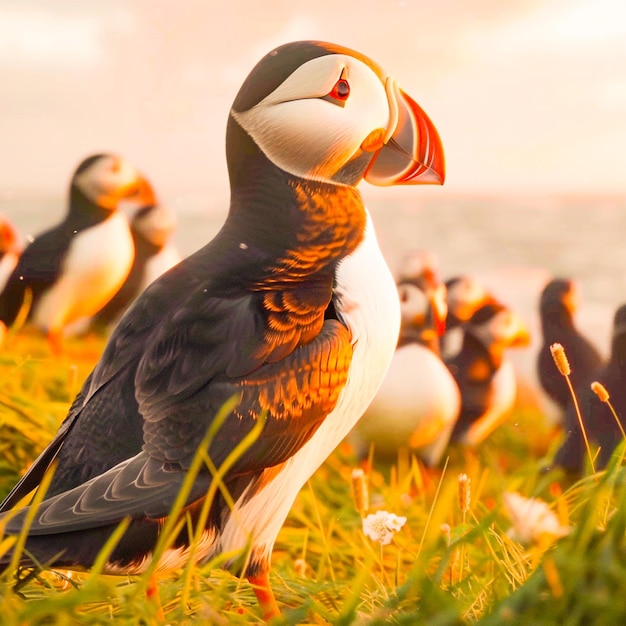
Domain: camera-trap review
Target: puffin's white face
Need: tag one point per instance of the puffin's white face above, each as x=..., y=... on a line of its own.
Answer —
x=465, y=296
x=110, y=179
x=323, y=115
x=413, y=305
x=156, y=224
x=505, y=329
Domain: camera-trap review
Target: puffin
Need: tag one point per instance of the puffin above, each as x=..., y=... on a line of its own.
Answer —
x=465, y=295
x=421, y=269
x=11, y=247
x=418, y=402
x=152, y=228
x=485, y=377
x=72, y=270
x=557, y=307
x=600, y=425
x=256, y=355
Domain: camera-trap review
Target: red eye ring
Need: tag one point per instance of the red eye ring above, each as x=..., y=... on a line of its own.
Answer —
x=341, y=90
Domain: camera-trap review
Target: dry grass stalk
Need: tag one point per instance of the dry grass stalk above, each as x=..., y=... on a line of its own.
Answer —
x=601, y=391
x=562, y=364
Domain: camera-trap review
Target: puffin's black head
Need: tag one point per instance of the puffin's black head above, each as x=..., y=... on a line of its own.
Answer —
x=323, y=112
x=559, y=295
x=466, y=295
x=105, y=180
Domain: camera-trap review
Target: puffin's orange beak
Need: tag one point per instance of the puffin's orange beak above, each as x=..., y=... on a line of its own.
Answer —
x=139, y=193
x=412, y=153
x=439, y=308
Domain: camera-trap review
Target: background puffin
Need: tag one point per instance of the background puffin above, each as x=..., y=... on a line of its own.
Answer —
x=73, y=269
x=464, y=296
x=418, y=402
x=10, y=249
x=152, y=228
x=486, y=379
x=290, y=310
x=557, y=307
x=600, y=425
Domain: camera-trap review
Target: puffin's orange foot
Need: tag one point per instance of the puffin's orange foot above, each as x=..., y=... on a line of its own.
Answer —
x=55, y=341
x=265, y=595
x=152, y=592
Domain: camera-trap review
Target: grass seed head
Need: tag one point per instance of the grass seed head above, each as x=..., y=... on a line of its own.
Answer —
x=600, y=390
x=446, y=531
x=464, y=493
x=360, y=492
x=560, y=359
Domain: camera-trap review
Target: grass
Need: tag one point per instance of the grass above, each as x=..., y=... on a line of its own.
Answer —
x=447, y=565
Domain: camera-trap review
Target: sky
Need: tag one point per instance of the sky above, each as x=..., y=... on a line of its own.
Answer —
x=528, y=95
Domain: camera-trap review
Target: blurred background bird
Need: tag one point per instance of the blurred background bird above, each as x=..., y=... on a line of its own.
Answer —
x=11, y=247
x=485, y=377
x=465, y=294
x=558, y=305
x=604, y=428
x=72, y=270
x=418, y=402
x=153, y=228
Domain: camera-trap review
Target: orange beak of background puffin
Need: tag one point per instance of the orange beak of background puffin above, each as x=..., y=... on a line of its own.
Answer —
x=412, y=152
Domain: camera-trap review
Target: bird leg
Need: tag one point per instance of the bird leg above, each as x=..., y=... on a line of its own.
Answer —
x=152, y=593
x=55, y=341
x=265, y=595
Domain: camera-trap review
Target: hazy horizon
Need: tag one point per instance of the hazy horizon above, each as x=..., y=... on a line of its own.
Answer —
x=528, y=96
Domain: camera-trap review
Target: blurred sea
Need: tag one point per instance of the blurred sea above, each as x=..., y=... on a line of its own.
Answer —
x=513, y=243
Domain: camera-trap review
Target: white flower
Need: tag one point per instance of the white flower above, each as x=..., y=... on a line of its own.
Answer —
x=381, y=525
x=532, y=519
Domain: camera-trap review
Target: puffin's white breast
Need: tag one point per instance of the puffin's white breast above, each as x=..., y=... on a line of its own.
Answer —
x=417, y=394
x=367, y=301
x=97, y=263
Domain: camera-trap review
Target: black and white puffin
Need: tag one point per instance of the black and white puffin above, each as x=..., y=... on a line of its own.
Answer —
x=600, y=424
x=486, y=379
x=70, y=271
x=465, y=295
x=152, y=228
x=421, y=269
x=418, y=402
x=11, y=247
x=557, y=306
x=290, y=309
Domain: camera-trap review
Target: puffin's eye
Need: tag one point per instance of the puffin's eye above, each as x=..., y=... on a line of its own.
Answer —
x=339, y=93
x=341, y=90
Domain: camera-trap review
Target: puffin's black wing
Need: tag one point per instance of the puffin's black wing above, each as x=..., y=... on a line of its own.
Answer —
x=139, y=487
x=296, y=400
x=38, y=268
x=275, y=351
